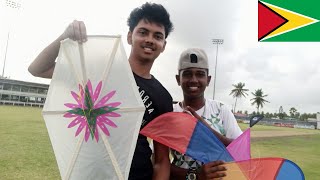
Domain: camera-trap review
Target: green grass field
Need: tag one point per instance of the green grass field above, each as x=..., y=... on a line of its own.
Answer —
x=26, y=152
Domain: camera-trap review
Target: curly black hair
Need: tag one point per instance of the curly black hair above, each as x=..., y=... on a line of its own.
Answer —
x=151, y=12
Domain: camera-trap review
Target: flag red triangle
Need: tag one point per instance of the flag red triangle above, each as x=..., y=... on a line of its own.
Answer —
x=268, y=20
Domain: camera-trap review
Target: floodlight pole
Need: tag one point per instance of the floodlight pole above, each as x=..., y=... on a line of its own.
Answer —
x=14, y=5
x=217, y=42
x=5, y=55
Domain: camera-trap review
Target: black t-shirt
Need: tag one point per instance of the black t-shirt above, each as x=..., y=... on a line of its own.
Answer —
x=157, y=101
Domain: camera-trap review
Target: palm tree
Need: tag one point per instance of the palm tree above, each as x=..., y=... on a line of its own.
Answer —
x=238, y=92
x=258, y=99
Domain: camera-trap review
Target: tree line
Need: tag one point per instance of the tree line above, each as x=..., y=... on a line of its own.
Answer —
x=259, y=100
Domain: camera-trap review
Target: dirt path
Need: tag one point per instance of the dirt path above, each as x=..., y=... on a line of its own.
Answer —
x=258, y=134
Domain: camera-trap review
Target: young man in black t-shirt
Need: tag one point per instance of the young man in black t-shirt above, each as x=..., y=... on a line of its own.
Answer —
x=149, y=26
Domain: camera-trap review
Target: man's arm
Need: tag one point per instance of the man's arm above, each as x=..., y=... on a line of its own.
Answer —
x=177, y=173
x=161, y=166
x=44, y=63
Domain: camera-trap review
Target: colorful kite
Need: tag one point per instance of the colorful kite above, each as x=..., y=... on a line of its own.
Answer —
x=93, y=110
x=185, y=134
x=263, y=169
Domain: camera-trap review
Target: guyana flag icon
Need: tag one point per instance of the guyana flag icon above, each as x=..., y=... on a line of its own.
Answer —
x=289, y=21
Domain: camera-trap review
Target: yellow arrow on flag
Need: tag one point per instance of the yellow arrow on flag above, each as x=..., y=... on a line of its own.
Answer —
x=295, y=20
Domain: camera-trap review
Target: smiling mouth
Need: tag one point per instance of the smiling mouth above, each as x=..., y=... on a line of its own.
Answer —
x=148, y=48
x=193, y=88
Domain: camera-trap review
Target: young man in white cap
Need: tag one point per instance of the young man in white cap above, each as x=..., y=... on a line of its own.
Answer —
x=193, y=78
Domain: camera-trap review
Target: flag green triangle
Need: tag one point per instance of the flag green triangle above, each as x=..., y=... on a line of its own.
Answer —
x=295, y=20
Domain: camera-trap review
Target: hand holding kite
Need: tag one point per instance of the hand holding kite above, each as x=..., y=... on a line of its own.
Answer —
x=213, y=169
x=76, y=31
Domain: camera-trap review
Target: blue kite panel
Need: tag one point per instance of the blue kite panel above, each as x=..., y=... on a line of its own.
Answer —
x=206, y=147
x=289, y=170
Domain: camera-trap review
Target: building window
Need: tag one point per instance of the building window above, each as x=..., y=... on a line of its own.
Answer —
x=23, y=99
x=32, y=99
x=24, y=89
x=14, y=98
x=33, y=90
x=15, y=88
x=42, y=91
x=5, y=97
x=7, y=87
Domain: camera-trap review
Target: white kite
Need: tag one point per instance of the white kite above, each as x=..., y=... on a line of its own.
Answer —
x=93, y=110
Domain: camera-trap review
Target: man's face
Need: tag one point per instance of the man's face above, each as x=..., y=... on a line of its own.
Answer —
x=147, y=40
x=193, y=81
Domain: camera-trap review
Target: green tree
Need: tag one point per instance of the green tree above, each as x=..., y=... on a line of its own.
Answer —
x=292, y=111
x=281, y=113
x=239, y=111
x=246, y=112
x=268, y=115
x=258, y=99
x=254, y=113
x=304, y=117
x=238, y=92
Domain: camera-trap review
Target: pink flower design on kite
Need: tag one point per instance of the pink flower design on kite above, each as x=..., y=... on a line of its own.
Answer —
x=90, y=115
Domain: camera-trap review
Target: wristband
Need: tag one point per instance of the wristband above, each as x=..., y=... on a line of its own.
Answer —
x=191, y=174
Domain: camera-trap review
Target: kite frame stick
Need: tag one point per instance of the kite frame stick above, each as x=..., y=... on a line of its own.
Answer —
x=111, y=59
x=122, y=109
x=79, y=144
x=106, y=143
x=73, y=159
x=113, y=158
x=83, y=66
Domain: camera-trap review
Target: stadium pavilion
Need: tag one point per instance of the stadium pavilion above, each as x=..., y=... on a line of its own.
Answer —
x=22, y=93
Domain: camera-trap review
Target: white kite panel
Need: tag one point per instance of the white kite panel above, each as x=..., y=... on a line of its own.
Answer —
x=93, y=110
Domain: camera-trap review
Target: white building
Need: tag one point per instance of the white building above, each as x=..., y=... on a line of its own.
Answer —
x=14, y=92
